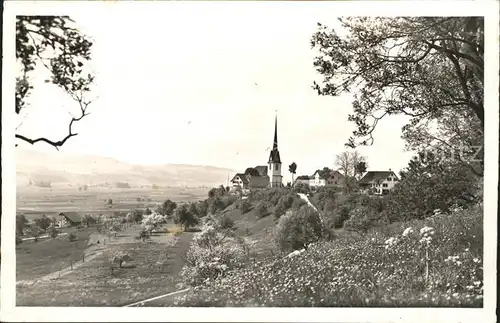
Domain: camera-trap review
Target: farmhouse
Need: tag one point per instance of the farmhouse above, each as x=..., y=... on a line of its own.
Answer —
x=378, y=182
x=334, y=178
x=67, y=219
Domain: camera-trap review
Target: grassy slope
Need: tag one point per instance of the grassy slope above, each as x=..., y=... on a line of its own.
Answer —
x=35, y=259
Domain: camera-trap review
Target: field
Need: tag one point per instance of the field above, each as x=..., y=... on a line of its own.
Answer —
x=35, y=201
x=51, y=271
x=91, y=283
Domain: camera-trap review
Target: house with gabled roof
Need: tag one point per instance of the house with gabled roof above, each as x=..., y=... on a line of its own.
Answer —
x=378, y=182
x=334, y=178
x=66, y=219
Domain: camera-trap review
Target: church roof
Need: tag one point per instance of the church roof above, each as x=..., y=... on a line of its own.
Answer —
x=274, y=155
x=262, y=170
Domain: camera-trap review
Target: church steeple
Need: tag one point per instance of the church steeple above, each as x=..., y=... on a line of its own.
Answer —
x=274, y=156
x=275, y=142
x=276, y=180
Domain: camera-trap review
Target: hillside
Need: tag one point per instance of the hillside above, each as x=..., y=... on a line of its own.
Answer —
x=63, y=168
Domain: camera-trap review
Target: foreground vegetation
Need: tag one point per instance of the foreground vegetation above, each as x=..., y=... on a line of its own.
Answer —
x=431, y=262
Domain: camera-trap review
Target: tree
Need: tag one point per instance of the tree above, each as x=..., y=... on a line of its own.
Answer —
x=360, y=169
x=54, y=43
x=21, y=222
x=137, y=215
x=34, y=231
x=325, y=172
x=252, y=171
x=349, y=164
x=428, y=184
x=428, y=69
x=109, y=202
x=43, y=222
x=119, y=258
x=184, y=217
x=88, y=219
x=53, y=232
x=148, y=211
x=292, y=168
x=168, y=207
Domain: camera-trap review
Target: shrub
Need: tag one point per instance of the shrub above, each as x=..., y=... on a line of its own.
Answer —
x=297, y=204
x=211, y=256
x=298, y=228
x=53, y=232
x=72, y=237
x=262, y=209
x=226, y=223
x=244, y=205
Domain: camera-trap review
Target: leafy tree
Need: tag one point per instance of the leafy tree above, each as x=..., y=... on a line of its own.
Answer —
x=168, y=207
x=360, y=168
x=292, y=168
x=148, y=211
x=184, y=217
x=109, y=202
x=427, y=69
x=252, y=171
x=43, y=222
x=21, y=222
x=137, y=215
x=54, y=43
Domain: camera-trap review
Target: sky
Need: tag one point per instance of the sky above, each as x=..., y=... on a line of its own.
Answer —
x=194, y=84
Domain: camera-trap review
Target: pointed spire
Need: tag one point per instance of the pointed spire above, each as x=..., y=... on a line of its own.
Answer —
x=275, y=142
x=274, y=156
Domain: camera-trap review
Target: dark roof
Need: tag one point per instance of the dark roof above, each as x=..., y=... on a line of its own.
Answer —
x=303, y=177
x=242, y=176
x=274, y=156
x=72, y=216
x=262, y=170
x=373, y=176
x=333, y=172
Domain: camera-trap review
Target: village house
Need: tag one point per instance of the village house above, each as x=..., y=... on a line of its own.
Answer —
x=66, y=219
x=335, y=178
x=378, y=182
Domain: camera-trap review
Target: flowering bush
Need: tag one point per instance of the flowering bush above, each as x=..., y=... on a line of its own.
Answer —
x=211, y=255
x=432, y=262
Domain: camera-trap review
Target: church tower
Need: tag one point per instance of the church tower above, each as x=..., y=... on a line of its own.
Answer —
x=276, y=180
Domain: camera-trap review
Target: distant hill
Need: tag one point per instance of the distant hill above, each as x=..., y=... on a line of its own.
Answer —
x=63, y=168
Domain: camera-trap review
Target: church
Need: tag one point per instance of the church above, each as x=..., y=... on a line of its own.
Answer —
x=263, y=176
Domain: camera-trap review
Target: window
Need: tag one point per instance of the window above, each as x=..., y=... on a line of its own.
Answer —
x=276, y=166
x=389, y=179
x=384, y=185
x=269, y=166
